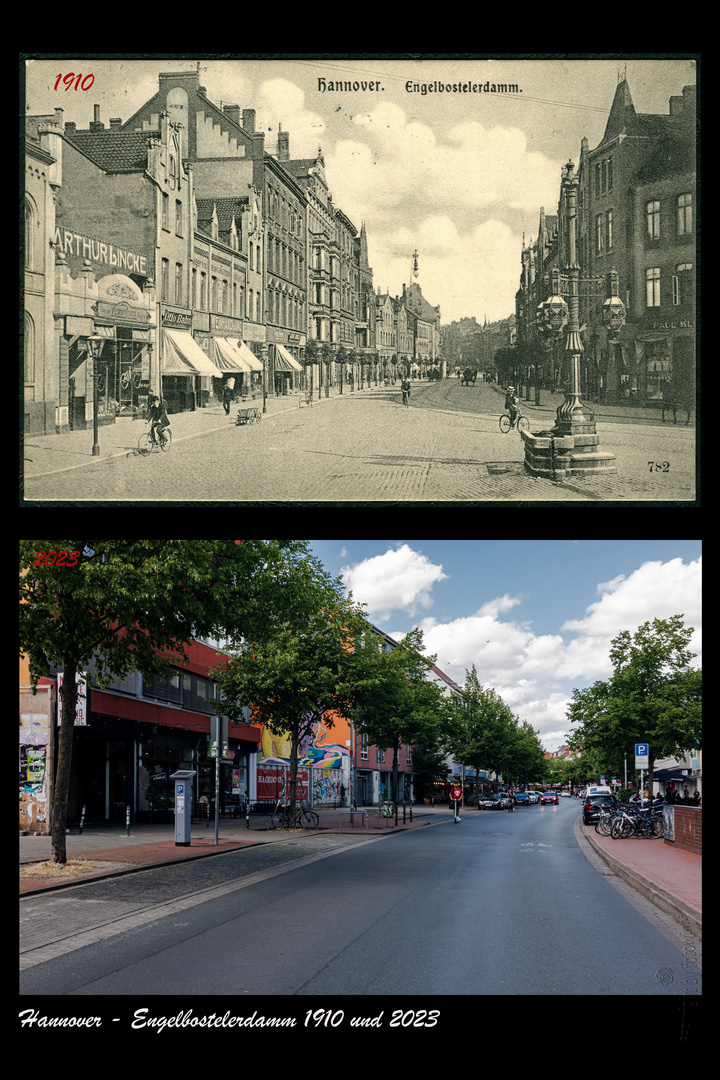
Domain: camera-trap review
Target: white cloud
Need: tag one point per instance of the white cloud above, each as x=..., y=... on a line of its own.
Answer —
x=399, y=580
x=535, y=674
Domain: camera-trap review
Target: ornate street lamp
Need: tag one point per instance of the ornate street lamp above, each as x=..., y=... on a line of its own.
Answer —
x=264, y=358
x=95, y=344
x=573, y=442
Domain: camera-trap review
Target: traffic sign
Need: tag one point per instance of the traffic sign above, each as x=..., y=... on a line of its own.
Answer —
x=642, y=755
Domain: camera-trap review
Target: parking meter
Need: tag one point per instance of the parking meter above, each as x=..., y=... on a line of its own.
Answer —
x=183, y=807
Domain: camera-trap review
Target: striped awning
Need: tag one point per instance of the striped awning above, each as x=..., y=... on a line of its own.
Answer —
x=227, y=356
x=183, y=356
x=284, y=361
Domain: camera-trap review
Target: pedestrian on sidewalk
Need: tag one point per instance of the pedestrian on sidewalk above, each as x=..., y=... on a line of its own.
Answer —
x=227, y=396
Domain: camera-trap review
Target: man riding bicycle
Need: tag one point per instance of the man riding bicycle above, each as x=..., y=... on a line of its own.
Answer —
x=512, y=405
x=157, y=415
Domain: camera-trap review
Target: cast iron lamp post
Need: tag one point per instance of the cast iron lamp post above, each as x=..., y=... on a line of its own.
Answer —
x=95, y=344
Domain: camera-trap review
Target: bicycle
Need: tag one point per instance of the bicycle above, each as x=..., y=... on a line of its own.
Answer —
x=636, y=823
x=302, y=818
x=522, y=423
x=149, y=442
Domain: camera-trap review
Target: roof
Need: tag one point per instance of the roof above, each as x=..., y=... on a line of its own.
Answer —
x=114, y=151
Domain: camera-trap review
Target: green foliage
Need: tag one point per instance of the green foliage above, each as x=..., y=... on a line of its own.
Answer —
x=486, y=735
x=136, y=605
x=294, y=673
x=653, y=696
x=395, y=701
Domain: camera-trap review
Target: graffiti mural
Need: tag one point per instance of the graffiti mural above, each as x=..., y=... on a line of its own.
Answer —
x=323, y=752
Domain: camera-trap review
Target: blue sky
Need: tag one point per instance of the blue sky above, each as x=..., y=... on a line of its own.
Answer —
x=536, y=617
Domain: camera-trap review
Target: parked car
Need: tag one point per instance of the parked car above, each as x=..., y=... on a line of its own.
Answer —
x=534, y=796
x=504, y=800
x=549, y=797
x=522, y=798
x=593, y=803
x=489, y=802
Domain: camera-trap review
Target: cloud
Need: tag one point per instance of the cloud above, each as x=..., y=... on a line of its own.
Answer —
x=535, y=673
x=399, y=580
x=281, y=102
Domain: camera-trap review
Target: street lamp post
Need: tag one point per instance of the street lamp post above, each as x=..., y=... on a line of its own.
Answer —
x=264, y=356
x=571, y=447
x=95, y=344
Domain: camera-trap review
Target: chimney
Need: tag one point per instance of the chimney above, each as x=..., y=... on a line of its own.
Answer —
x=248, y=121
x=115, y=123
x=233, y=111
x=96, y=125
x=283, y=145
x=70, y=127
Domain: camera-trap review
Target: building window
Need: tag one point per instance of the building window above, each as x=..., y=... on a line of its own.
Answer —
x=380, y=757
x=684, y=214
x=653, y=220
x=609, y=229
x=165, y=211
x=29, y=235
x=599, y=234
x=178, y=218
x=652, y=286
x=178, y=283
x=682, y=284
x=165, y=281
x=364, y=748
x=193, y=289
x=203, y=291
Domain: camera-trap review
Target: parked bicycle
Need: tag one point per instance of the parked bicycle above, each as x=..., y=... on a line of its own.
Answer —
x=522, y=423
x=628, y=822
x=301, y=819
x=155, y=439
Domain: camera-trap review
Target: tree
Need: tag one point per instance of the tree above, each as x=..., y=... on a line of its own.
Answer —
x=483, y=727
x=294, y=675
x=654, y=696
x=395, y=702
x=133, y=605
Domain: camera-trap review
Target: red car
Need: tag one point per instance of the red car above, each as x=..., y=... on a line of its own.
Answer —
x=549, y=797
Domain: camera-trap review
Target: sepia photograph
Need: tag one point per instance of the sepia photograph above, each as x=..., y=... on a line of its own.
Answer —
x=359, y=280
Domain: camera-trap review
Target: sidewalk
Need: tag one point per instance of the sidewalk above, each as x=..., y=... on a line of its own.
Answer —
x=45, y=454
x=668, y=876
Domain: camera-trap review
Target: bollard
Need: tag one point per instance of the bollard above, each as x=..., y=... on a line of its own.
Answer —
x=82, y=820
x=127, y=820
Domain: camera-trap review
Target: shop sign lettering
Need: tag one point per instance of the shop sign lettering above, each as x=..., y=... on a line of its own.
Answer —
x=77, y=245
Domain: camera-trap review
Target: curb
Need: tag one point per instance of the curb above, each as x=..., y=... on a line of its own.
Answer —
x=685, y=916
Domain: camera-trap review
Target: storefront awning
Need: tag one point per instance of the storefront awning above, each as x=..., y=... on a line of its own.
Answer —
x=183, y=356
x=284, y=361
x=227, y=356
x=248, y=356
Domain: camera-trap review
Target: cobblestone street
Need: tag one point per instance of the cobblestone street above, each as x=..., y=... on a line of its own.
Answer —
x=363, y=447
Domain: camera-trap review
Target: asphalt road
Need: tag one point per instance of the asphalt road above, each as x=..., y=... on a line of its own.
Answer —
x=497, y=904
x=367, y=447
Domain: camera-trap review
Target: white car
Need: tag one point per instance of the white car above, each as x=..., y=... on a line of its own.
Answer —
x=534, y=796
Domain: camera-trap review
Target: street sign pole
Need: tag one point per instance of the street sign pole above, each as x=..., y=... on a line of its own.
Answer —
x=642, y=761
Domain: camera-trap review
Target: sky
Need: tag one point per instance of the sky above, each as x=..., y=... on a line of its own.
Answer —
x=458, y=176
x=535, y=617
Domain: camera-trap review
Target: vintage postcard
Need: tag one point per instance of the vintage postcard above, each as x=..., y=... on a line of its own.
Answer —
x=359, y=281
